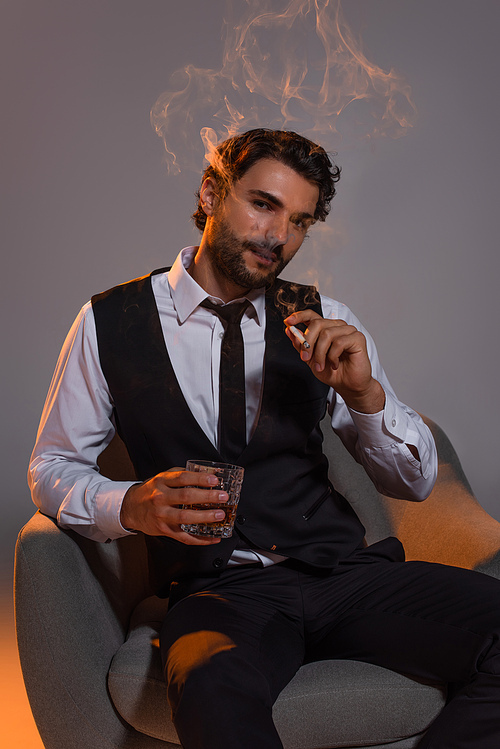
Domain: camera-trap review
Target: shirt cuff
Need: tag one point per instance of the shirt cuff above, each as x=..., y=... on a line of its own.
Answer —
x=382, y=428
x=108, y=504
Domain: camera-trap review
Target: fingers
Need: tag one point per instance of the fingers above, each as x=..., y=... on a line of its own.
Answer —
x=331, y=342
x=159, y=507
x=189, y=489
x=179, y=477
x=302, y=316
x=297, y=336
x=327, y=339
x=191, y=497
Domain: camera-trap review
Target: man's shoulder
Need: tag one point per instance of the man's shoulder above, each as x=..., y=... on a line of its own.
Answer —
x=134, y=285
x=337, y=310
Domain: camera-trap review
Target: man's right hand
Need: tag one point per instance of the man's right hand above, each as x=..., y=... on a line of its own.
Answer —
x=153, y=507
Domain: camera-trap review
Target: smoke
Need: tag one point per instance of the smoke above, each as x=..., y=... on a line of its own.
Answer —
x=299, y=67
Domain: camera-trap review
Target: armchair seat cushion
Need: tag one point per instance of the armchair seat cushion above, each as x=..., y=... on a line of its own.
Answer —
x=366, y=705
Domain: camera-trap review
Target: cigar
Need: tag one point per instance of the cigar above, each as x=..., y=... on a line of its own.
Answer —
x=298, y=335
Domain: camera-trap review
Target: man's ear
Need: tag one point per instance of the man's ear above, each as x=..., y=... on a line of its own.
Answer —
x=209, y=196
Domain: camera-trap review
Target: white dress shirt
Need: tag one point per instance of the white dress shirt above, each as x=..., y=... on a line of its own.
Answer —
x=77, y=421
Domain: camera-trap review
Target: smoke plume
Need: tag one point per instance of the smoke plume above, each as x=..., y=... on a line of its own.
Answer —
x=299, y=67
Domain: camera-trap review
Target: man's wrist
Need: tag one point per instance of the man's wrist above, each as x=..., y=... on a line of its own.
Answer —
x=369, y=401
x=126, y=520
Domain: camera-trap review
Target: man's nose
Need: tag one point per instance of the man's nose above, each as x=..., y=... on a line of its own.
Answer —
x=280, y=229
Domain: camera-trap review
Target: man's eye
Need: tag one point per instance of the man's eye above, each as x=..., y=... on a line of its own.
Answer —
x=261, y=204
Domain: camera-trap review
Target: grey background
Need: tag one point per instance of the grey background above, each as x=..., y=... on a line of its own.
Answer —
x=86, y=201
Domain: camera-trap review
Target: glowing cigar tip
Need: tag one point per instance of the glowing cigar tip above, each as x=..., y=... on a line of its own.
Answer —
x=298, y=335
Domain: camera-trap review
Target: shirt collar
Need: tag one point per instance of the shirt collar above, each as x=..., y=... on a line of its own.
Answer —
x=187, y=294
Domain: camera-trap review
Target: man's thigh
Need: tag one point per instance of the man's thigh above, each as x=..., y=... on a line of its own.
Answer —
x=429, y=620
x=247, y=621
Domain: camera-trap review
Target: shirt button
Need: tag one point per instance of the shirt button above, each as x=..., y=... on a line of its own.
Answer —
x=218, y=562
x=241, y=519
x=394, y=422
x=221, y=336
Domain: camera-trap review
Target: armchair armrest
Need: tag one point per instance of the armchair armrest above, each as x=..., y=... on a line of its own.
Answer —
x=450, y=526
x=71, y=619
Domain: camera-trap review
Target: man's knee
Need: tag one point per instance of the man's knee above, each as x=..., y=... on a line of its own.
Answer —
x=190, y=659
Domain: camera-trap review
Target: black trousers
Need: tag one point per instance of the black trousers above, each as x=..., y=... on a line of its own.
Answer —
x=231, y=644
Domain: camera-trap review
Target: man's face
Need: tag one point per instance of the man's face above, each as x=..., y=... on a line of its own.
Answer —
x=256, y=230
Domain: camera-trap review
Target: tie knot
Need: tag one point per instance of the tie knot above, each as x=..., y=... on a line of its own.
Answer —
x=230, y=313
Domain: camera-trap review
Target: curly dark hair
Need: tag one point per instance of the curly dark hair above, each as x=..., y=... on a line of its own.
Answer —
x=234, y=157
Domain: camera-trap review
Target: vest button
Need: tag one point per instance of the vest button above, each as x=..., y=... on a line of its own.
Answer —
x=241, y=519
x=218, y=562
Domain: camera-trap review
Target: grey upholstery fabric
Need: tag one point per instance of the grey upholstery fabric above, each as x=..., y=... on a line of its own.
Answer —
x=87, y=624
x=364, y=704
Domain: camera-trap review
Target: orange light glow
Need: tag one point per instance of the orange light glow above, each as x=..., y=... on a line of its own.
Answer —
x=193, y=651
x=18, y=727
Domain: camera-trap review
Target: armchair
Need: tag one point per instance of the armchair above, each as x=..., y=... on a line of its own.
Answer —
x=87, y=627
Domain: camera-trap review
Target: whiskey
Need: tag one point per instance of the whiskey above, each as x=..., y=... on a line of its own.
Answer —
x=220, y=528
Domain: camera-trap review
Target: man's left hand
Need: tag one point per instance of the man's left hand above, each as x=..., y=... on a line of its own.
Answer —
x=338, y=357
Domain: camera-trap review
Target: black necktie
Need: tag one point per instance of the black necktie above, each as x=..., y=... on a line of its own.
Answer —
x=232, y=408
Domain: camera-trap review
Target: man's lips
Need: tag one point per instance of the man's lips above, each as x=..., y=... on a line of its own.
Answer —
x=265, y=256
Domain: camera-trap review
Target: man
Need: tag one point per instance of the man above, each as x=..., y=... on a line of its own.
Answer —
x=295, y=581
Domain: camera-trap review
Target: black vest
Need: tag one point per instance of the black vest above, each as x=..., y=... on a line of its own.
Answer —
x=287, y=503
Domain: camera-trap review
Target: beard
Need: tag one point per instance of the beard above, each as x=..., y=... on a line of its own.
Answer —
x=227, y=255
